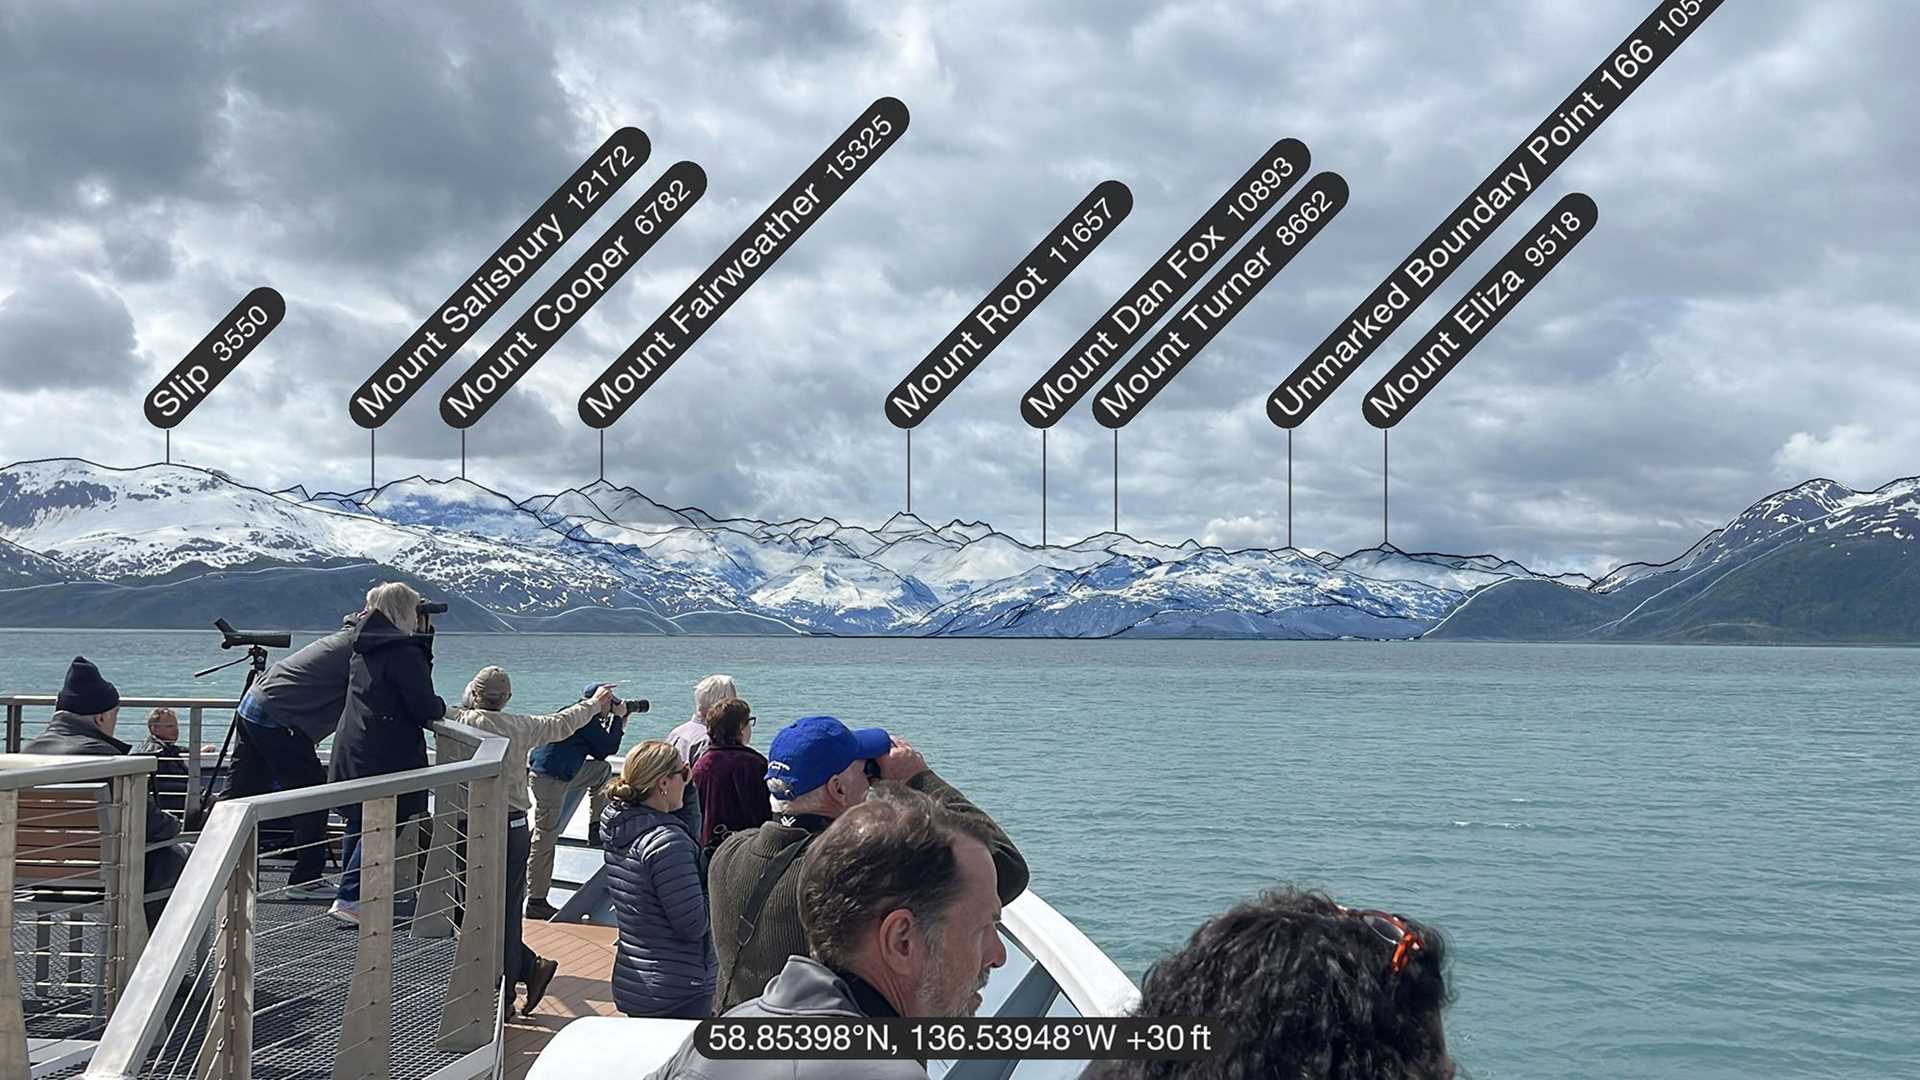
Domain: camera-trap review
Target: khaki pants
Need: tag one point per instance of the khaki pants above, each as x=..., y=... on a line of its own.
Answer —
x=552, y=798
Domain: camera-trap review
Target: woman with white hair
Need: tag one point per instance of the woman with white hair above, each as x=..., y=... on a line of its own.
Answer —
x=390, y=706
x=482, y=706
x=691, y=739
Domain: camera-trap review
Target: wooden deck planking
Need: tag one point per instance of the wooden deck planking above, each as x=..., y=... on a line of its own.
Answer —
x=584, y=987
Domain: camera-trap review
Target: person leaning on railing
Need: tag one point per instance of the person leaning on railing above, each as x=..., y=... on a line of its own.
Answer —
x=480, y=706
x=901, y=904
x=86, y=712
x=664, y=964
x=1297, y=985
x=284, y=717
x=390, y=705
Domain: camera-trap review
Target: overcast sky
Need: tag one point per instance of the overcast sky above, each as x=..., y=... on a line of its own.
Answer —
x=1742, y=318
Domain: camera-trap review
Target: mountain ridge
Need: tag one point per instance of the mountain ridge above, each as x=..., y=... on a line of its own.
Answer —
x=102, y=545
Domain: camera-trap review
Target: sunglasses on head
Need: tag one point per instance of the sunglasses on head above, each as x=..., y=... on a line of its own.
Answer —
x=1394, y=930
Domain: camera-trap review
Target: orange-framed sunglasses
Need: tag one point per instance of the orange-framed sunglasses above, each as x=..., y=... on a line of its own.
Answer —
x=1395, y=931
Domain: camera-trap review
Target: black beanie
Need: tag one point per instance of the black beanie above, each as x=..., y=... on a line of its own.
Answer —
x=85, y=692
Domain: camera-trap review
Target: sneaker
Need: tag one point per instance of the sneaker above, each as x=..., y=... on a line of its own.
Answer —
x=317, y=889
x=539, y=910
x=347, y=911
x=537, y=982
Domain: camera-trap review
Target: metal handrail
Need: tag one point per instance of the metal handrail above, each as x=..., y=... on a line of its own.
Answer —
x=21, y=771
x=16, y=705
x=50, y=700
x=200, y=892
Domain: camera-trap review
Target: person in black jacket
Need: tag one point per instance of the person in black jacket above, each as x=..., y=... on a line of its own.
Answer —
x=664, y=964
x=87, y=710
x=390, y=706
x=284, y=717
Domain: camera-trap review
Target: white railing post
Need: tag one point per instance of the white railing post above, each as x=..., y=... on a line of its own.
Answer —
x=193, y=762
x=128, y=884
x=366, y=1030
x=13, y=1022
x=227, y=1053
x=467, y=1021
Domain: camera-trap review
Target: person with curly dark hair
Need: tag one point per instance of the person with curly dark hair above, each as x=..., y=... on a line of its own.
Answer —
x=1298, y=986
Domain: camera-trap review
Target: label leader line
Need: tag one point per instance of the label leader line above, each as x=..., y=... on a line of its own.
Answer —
x=569, y=299
x=1229, y=292
x=1008, y=304
x=1496, y=294
x=743, y=262
x=488, y=288
x=1483, y=210
x=1111, y=336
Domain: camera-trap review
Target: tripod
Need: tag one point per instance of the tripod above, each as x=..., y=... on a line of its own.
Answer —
x=257, y=657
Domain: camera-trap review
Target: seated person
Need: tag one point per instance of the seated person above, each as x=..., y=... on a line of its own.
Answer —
x=902, y=908
x=85, y=713
x=1299, y=986
x=163, y=742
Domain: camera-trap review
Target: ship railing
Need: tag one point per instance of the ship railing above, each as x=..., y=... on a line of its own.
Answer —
x=199, y=770
x=240, y=979
x=72, y=860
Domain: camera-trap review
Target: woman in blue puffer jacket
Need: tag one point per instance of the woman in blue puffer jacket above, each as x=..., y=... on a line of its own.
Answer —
x=665, y=962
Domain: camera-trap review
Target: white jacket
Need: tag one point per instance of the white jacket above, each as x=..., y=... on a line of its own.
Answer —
x=524, y=733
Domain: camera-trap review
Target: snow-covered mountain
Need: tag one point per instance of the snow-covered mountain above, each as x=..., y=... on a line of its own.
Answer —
x=169, y=545
x=1816, y=563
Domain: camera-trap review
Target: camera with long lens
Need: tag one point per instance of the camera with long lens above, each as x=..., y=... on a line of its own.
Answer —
x=633, y=705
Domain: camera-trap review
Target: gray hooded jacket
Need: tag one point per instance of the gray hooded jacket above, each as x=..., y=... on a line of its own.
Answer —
x=805, y=987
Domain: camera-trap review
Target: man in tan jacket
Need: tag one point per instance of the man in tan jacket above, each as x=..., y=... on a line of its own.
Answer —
x=481, y=707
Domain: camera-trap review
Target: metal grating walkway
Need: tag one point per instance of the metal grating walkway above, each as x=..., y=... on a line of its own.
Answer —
x=303, y=961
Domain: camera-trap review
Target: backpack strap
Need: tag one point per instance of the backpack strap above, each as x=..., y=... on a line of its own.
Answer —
x=770, y=876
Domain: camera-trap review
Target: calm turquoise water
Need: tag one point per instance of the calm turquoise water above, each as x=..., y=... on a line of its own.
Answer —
x=1653, y=862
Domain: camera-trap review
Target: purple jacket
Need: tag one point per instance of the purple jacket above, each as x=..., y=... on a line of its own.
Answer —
x=732, y=781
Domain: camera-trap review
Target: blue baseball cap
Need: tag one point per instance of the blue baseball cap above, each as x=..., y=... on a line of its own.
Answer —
x=592, y=689
x=813, y=749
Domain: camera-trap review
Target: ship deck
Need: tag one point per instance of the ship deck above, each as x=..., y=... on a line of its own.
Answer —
x=584, y=987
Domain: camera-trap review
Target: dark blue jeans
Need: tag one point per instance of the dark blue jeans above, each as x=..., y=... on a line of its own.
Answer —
x=350, y=855
x=272, y=758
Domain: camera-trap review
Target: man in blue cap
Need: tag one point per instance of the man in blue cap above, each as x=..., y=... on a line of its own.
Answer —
x=817, y=769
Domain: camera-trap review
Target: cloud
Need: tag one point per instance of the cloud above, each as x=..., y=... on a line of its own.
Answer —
x=1854, y=454
x=65, y=331
x=1740, y=314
